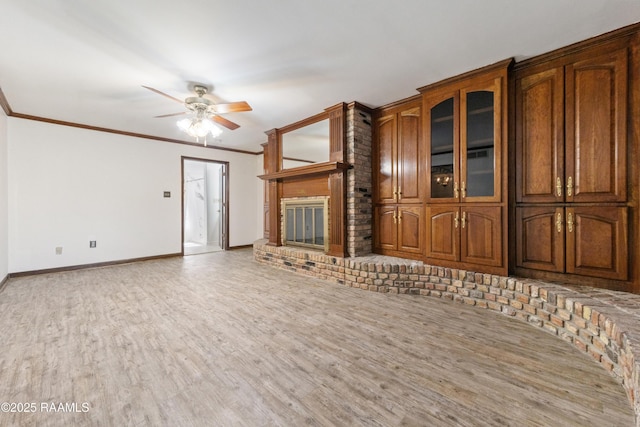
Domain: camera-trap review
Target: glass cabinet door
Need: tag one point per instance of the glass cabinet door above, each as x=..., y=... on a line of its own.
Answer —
x=464, y=142
x=478, y=145
x=443, y=150
x=481, y=142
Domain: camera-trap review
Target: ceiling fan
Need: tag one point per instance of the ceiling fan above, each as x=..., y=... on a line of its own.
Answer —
x=205, y=111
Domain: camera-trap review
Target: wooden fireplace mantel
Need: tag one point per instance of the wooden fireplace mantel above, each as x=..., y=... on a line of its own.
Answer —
x=304, y=171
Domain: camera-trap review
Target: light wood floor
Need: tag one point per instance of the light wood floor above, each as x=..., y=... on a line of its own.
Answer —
x=207, y=341
x=196, y=249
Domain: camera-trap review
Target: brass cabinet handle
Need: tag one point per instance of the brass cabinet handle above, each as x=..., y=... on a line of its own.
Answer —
x=558, y=187
x=559, y=222
x=395, y=194
x=399, y=216
x=569, y=186
x=570, y=222
x=464, y=219
x=455, y=220
x=399, y=193
x=395, y=217
x=456, y=193
x=464, y=191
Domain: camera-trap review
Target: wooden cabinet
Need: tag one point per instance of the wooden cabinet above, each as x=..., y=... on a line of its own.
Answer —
x=571, y=147
x=398, y=132
x=398, y=180
x=464, y=133
x=465, y=122
x=399, y=228
x=585, y=240
x=596, y=128
x=468, y=234
x=571, y=134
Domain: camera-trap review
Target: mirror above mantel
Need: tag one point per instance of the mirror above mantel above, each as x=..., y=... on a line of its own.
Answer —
x=306, y=145
x=310, y=146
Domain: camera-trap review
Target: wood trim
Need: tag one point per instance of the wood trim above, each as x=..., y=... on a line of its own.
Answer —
x=633, y=157
x=121, y=132
x=275, y=230
x=337, y=214
x=316, y=168
x=240, y=247
x=272, y=160
x=337, y=132
x=479, y=72
x=3, y=283
x=298, y=160
x=317, y=185
x=94, y=265
x=575, y=48
x=5, y=104
x=399, y=103
x=304, y=122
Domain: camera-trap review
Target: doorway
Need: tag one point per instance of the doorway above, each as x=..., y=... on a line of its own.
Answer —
x=204, y=206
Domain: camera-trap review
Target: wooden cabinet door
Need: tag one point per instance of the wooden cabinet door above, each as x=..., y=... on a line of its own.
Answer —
x=540, y=137
x=386, y=236
x=597, y=241
x=540, y=238
x=481, y=235
x=480, y=153
x=443, y=234
x=408, y=158
x=442, y=135
x=596, y=124
x=385, y=134
x=410, y=229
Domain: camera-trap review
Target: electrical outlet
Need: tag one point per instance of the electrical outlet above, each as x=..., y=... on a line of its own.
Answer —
x=92, y=243
x=58, y=250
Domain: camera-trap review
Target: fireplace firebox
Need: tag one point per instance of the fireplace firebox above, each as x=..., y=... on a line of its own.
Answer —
x=305, y=222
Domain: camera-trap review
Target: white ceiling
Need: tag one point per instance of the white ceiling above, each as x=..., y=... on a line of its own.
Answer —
x=86, y=61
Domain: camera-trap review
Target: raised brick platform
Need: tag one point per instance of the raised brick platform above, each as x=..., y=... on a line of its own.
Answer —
x=604, y=324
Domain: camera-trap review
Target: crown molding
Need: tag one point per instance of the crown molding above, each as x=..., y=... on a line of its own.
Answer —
x=10, y=113
x=5, y=104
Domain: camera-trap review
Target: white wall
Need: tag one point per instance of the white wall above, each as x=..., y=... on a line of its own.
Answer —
x=67, y=186
x=4, y=221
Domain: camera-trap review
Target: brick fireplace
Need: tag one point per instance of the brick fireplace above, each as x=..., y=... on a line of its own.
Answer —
x=345, y=182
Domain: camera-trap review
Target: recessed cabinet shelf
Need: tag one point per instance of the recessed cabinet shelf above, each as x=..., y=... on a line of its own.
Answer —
x=480, y=144
x=480, y=111
x=442, y=150
x=442, y=119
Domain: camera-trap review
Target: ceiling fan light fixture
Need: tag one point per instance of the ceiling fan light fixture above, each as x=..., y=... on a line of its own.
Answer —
x=205, y=113
x=199, y=127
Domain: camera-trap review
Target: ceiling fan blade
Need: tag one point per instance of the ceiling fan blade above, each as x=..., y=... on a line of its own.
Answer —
x=163, y=94
x=170, y=115
x=232, y=107
x=224, y=122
